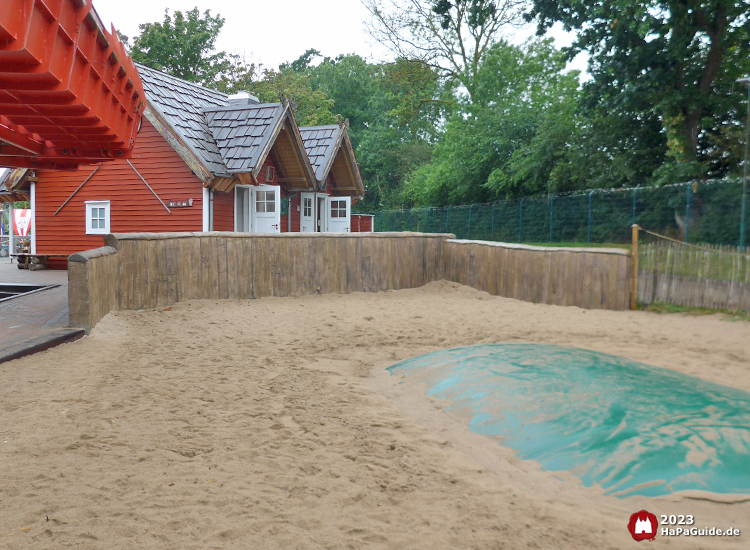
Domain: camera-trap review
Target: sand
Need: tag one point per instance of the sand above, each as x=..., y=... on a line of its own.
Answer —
x=273, y=424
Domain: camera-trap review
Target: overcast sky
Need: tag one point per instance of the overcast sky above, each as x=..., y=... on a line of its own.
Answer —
x=273, y=32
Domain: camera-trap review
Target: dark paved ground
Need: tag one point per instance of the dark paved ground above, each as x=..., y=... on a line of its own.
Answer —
x=36, y=316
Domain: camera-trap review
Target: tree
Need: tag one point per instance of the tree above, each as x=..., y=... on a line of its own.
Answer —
x=675, y=59
x=512, y=138
x=311, y=107
x=183, y=46
x=450, y=36
x=352, y=83
x=303, y=63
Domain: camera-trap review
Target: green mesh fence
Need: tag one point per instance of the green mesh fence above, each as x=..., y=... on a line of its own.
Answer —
x=707, y=212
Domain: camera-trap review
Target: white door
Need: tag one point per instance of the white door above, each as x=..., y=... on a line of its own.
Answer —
x=242, y=209
x=322, y=214
x=339, y=214
x=306, y=215
x=266, y=206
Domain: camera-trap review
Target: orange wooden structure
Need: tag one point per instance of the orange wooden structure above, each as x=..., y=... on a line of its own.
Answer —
x=69, y=93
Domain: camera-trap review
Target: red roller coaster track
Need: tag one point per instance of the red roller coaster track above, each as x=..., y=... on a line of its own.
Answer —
x=69, y=93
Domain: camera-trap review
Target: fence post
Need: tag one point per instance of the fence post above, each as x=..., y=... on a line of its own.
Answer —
x=520, y=222
x=394, y=220
x=493, y=221
x=447, y=213
x=469, y=231
x=634, y=193
x=410, y=211
x=427, y=221
x=551, y=210
x=634, y=278
x=590, y=197
x=687, y=217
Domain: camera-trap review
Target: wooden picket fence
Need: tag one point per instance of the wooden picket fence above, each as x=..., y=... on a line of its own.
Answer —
x=701, y=276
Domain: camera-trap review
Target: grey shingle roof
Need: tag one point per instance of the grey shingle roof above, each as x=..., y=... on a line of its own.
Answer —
x=320, y=145
x=182, y=104
x=242, y=132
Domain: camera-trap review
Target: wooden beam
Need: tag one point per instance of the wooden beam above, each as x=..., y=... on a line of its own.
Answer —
x=91, y=175
x=302, y=160
x=147, y=185
x=245, y=178
x=225, y=184
x=634, y=276
x=277, y=163
x=14, y=135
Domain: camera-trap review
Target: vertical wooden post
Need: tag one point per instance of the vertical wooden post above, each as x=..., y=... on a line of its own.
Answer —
x=634, y=278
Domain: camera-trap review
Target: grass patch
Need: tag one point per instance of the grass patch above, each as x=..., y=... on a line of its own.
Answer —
x=663, y=307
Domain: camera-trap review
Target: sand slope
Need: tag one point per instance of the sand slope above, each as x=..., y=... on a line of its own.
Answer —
x=272, y=424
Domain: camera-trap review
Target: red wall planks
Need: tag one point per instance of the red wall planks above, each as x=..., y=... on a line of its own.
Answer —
x=223, y=211
x=133, y=207
x=361, y=223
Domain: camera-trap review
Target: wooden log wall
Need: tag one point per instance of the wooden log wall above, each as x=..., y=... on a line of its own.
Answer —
x=147, y=270
x=592, y=278
x=715, y=277
x=92, y=285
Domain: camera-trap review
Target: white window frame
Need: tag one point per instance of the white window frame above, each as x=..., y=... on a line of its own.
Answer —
x=307, y=222
x=339, y=223
x=90, y=205
x=260, y=217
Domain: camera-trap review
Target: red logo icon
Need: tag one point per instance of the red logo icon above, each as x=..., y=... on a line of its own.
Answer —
x=642, y=526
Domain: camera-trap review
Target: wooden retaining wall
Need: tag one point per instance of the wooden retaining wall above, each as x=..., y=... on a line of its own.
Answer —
x=147, y=270
x=592, y=278
x=715, y=277
x=92, y=285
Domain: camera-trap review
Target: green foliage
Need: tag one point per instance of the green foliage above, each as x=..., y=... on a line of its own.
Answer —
x=183, y=46
x=302, y=63
x=509, y=140
x=350, y=82
x=667, y=308
x=394, y=111
x=311, y=107
x=669, y=59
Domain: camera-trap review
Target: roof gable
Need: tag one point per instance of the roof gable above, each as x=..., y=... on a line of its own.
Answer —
x=331, y=154
x=246, y=134
x=226, y=141
x=321, y=142
x=180, y=103
x=243, y=133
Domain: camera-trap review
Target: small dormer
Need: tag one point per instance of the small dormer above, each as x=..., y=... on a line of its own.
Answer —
x=332, y=157
x=248, y=133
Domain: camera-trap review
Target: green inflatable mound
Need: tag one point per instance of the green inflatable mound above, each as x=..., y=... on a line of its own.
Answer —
x=629, y=427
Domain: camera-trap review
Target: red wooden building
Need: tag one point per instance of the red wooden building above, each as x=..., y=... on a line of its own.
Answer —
x=202, y=161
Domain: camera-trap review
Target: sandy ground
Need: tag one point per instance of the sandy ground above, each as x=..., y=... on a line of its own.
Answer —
x=273, y=424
